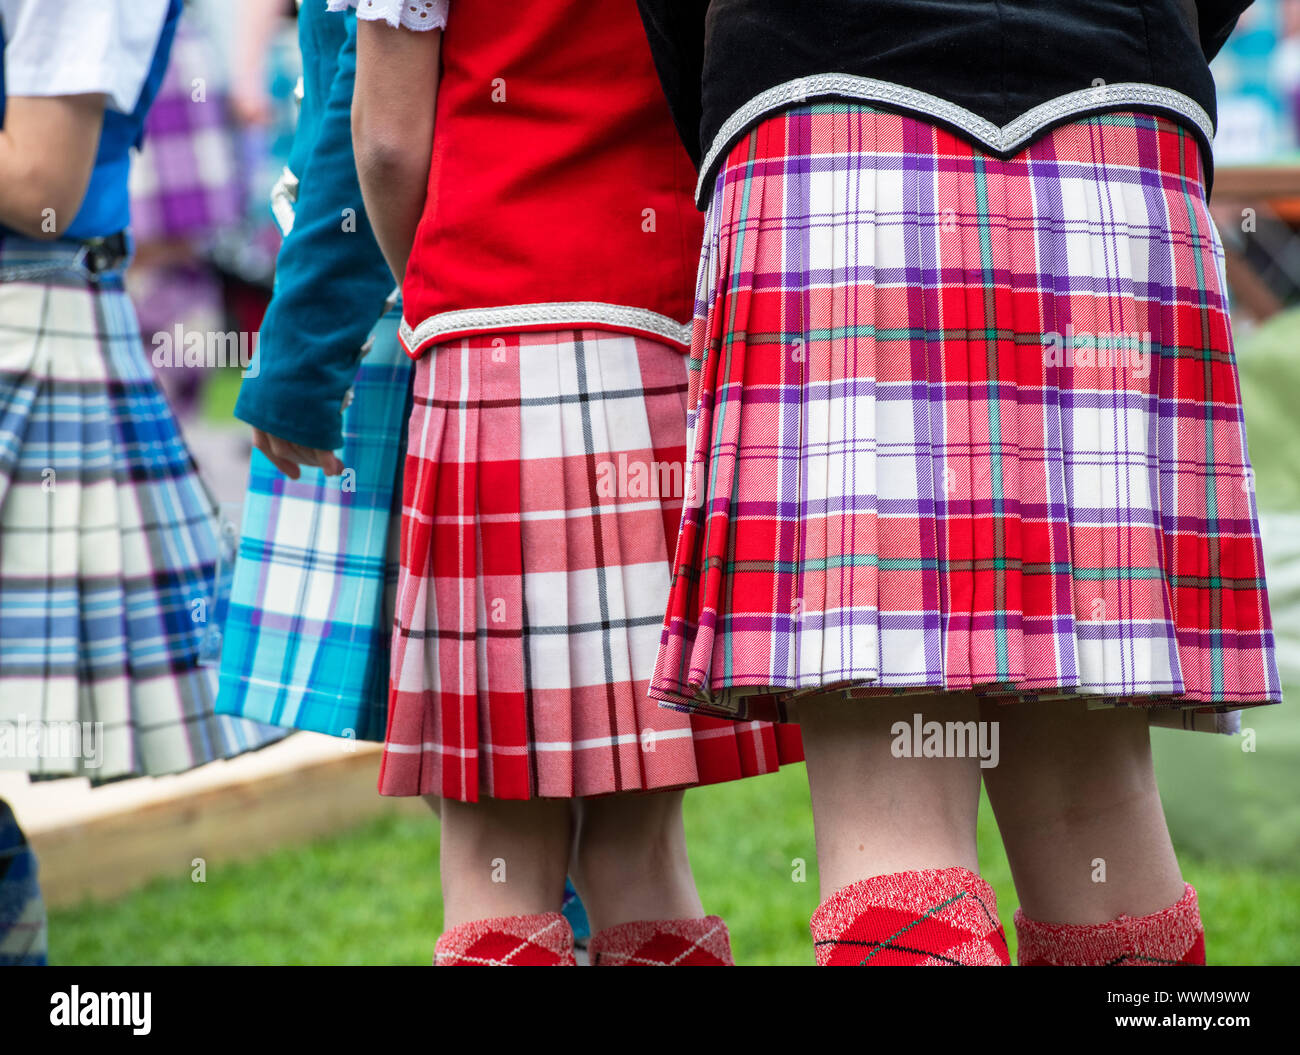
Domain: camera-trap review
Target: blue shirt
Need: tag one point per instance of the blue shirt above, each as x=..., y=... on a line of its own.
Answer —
x=331, y=280
x=106, y=208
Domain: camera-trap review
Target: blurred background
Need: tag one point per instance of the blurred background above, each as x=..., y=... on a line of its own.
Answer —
x=289, y=856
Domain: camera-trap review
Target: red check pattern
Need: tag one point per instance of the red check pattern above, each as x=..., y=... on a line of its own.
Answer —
x=933, y=918
x=663, y=943
x=543, y=940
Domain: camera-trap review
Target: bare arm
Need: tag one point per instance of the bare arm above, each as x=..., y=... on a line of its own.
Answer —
x=392, y=130
x=249, y=95
x=47, y=153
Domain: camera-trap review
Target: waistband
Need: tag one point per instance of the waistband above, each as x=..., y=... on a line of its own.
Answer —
x=543, y=317
x=1002, y=141
x=95, y=260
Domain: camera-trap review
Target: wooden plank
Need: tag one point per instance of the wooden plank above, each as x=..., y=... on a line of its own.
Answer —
x=1253, y=182
x=111, y=854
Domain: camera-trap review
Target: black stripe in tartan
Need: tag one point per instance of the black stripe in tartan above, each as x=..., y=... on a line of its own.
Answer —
x=262, y=551
x=602, y=625
x=581, y=398
x=598, y=547
x=534, y=774
x=65, y=386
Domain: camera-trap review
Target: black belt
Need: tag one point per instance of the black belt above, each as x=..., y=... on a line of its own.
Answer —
x=104, y=254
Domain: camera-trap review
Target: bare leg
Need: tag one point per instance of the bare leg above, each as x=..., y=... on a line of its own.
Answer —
x=501, y=857
x=630, y=861
x=1076, y=801
x=875, y=813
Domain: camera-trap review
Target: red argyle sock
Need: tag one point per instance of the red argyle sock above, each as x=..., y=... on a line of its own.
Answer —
x=1171, y=936
x=663, y=943
x=945, y=917
x=544, y=940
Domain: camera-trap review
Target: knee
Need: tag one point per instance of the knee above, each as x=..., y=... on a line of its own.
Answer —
x=627, y=836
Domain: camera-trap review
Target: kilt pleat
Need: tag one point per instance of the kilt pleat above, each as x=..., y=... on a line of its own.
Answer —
x=306, y=640
x=543, y=483
x=107, y=544
x=966, y=424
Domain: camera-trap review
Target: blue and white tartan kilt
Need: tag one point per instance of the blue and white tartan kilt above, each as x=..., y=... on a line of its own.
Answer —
x=107, y=539
x=306, y=638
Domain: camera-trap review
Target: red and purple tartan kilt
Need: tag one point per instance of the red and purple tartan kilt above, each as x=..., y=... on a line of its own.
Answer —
x=966, y=424
x=543, y=487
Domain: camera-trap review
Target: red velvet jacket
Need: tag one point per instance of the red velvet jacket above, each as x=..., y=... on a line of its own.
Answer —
x=560, y=195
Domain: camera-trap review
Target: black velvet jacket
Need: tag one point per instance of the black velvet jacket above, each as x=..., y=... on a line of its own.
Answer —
x=1001, y=72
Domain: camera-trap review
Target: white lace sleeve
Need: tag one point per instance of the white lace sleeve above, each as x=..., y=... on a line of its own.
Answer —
x=410, y=14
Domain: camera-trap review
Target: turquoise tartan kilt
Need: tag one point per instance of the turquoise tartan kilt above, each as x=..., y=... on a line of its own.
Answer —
x=305, y=643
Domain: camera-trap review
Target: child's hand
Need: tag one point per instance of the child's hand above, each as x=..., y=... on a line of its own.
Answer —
x=287, y=456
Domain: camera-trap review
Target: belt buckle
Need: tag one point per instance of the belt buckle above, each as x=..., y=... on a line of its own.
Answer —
x=101, y=254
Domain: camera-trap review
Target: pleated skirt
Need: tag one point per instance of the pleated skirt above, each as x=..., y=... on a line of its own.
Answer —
x=306, y=639
x=963, y=424
x=543, y=488
x=108, y=540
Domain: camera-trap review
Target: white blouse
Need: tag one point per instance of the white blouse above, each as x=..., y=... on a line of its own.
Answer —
x=76, y=47
x=409, y=14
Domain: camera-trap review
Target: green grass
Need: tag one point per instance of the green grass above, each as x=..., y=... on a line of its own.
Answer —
x=219, y=395
x=370, y=895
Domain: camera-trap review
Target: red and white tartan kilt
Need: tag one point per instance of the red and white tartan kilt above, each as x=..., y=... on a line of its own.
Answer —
x=543, y=491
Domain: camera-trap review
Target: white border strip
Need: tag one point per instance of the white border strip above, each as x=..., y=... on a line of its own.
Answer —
x=564, y=315
x=1005, y=138
x=284, y=198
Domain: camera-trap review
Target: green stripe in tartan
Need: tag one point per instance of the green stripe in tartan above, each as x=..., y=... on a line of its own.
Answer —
x=879, y=334
x=1211, y=491
x=1115, y=574
x=720, y=409
x=1217, y=582
x=987, y=283
x=754, y=338
x=871, y=560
